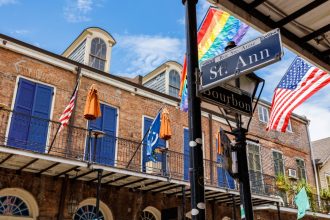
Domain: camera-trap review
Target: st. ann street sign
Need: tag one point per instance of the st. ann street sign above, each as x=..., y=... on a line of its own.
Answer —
x=229, y=98
x=243, y=59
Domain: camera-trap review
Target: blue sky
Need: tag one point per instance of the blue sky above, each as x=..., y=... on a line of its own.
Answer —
x=148, y=33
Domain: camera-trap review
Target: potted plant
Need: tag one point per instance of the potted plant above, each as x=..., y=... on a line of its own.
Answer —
x=325, y=196
x=282, y=183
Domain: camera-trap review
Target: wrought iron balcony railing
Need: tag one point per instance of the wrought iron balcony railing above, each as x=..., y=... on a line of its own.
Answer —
x=25, y=132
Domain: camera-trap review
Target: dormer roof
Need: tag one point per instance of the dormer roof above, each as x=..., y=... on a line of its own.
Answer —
x=82, y=36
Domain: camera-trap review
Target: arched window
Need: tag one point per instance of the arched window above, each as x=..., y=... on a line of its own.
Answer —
x=13, y=206
x=87, y=211
x=145, y=215
x=150, y=213
x=98, y=54
x=174, y=83
x=17, y=203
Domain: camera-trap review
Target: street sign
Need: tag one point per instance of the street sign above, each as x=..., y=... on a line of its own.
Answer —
x=230, y=98
x=243, y=59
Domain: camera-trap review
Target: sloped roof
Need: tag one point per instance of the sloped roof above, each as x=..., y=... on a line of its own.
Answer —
x=321, y=150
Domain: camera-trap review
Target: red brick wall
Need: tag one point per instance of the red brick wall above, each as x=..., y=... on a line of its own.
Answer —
x=132, y=107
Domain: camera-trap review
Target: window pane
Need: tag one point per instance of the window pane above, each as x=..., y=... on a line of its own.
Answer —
x=265, y=114
x=260, y=113
x=257, y=162
x=98, y=48
x=174, y=79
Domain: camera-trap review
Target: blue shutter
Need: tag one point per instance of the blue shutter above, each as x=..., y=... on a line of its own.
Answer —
x=186, y=154
x=106, y=145
x=224, y=179
x=162, y=144
x=41, y=110
x=20, y=121
x=221, y=172
x=32, y=99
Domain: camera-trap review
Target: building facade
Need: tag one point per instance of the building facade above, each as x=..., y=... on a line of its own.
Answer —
x=46, y=174
x=321, y=153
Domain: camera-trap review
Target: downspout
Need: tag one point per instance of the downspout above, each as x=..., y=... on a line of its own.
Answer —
x=314, y=166
x=211, y=147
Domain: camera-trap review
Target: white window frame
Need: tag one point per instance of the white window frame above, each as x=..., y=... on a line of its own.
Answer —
x=263, y=119
x=260, y=159
x=326, y=179
x=289, y=127
x=169, y=81
x=299, y=158
x=96, y=56
x=13, y=102
x=283, y=159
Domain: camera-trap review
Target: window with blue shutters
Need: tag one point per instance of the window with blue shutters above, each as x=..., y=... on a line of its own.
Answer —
x=30, y=118
x=186, y=160
x=105, y=145
x=160, y=157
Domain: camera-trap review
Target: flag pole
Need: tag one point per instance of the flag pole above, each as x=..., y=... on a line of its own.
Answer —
x=58, y=129
x=138, y=147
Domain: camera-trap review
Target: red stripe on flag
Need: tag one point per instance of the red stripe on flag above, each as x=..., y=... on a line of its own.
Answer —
x=291, y=107
x=285, y=100
x=286, y=95
x=293, y=96
x=183, y=75
x=206, y=23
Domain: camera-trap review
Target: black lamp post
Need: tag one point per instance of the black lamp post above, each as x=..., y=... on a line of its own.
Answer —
x=248, y=83
x=196, y=169
x=96, y=134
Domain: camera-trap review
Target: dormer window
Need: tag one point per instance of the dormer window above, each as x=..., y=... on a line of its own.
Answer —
x=174, y=83
x=98, y=54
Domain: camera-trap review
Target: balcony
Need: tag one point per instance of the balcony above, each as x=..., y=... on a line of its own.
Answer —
x=26, y=140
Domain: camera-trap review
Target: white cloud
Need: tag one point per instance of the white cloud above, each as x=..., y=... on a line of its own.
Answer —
x=20, y=32
x=79, y=10
x=144, y=53
x=319, y=116
x=7, y=2
x=181, y=21
x=84, y=5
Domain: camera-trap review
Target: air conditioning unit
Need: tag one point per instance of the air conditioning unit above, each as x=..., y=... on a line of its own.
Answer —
x=292, y=173
x=153, y=167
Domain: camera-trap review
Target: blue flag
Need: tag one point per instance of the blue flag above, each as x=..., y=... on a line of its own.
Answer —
x=153, y=138
x=302, y=203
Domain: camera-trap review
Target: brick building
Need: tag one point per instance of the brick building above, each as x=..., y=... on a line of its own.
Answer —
x=36, y=85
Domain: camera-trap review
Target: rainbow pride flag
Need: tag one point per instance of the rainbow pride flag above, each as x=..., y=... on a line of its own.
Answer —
x=216, y=30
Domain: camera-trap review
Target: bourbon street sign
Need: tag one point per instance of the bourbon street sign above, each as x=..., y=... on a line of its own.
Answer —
x=243, y=59
x=230, y=98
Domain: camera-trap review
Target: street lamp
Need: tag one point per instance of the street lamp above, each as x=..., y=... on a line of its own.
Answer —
x=248, y=83
x=96, y=134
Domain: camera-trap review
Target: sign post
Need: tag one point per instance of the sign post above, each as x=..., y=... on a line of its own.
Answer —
x=222, y=83
x=196, y=169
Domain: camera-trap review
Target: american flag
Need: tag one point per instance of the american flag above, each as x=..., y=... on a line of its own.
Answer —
x=299, y=83
x=65, y=117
